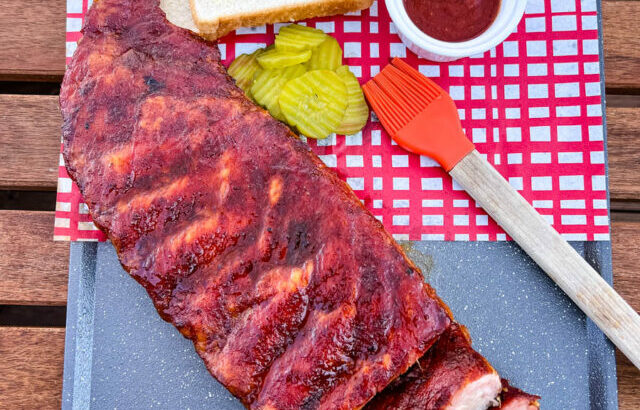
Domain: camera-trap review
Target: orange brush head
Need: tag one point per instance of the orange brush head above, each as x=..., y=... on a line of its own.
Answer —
x=420, y=116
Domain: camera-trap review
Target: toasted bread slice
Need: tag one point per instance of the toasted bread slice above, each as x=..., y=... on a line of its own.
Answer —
x=219, y=17
x=178, y=12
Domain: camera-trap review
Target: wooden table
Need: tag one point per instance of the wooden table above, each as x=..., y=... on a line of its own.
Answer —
x=33, y=268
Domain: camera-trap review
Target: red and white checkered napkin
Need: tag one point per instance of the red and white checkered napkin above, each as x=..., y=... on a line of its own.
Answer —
x=532, y=105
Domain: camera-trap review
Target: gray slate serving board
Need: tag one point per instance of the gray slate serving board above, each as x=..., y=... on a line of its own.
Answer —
x=120, y=354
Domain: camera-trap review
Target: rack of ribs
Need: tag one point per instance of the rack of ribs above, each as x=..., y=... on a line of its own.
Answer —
x=293, y=294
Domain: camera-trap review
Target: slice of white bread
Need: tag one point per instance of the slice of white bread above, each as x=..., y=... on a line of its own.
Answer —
x=179, y=13
x=219, y=17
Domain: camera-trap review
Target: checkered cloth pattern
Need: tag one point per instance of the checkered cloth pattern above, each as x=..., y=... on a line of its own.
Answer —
x=532, y=106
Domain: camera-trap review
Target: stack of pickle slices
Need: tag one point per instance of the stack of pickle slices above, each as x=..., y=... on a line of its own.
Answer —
x=300, y=80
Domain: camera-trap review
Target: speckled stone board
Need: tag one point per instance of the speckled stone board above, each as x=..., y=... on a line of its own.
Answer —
x=120, y=354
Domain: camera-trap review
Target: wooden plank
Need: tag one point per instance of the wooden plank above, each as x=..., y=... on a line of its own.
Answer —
x=626, y=259
x=31, y=367
x=621, y=43
x=33, y=45
x=33, y=268
x=30, y=137
x=623, y=125
x=628, y=384
x=30, y=141
x=33, y=39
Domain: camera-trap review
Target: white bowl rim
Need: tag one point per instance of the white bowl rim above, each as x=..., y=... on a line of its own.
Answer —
x=488, y=39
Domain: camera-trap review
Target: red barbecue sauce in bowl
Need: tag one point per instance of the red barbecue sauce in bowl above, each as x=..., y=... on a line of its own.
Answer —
x=452, y=20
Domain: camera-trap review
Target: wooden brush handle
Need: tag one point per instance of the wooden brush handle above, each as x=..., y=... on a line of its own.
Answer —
x=551, y=252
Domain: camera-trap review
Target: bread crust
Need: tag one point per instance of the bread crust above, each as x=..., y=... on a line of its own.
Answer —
x=317, y=8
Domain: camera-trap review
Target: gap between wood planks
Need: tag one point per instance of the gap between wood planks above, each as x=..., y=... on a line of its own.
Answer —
x=33, y=316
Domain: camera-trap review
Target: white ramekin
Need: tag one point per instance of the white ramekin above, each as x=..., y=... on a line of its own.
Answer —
x=506, y=21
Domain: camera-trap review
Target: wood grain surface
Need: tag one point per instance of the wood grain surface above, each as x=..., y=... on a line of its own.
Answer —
x=621, y=43
x=30, y=137
x=33, y=39
x=31, y=367
x=626, y=260
x=628, y=384
x=623, y=126
x=32, y=373
x=30, y=141
x=33, y=45
x=33, y=268
x=625, y=242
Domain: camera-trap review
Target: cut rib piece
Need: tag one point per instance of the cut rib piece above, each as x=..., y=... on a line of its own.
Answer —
x=451, y=375
x=292, y=293
x=513, y=398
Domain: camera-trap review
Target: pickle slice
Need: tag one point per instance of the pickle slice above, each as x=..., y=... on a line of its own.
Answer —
x=243, y=69
x=268, y=84
x=295, y=37
x=314, y=103
x=357, y=112
x=279, y=59
x=327, y=56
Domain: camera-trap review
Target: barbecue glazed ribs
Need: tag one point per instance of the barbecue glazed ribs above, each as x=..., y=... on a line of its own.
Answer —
x=451, y=375
x=292, y=293
x=513, y=398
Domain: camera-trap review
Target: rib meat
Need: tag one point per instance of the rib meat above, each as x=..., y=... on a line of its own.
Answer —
x=513, y=398
x=451, y=375
x=292, y=293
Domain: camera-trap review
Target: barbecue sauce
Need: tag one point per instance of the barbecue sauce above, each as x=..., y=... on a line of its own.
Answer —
x=452, y=20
